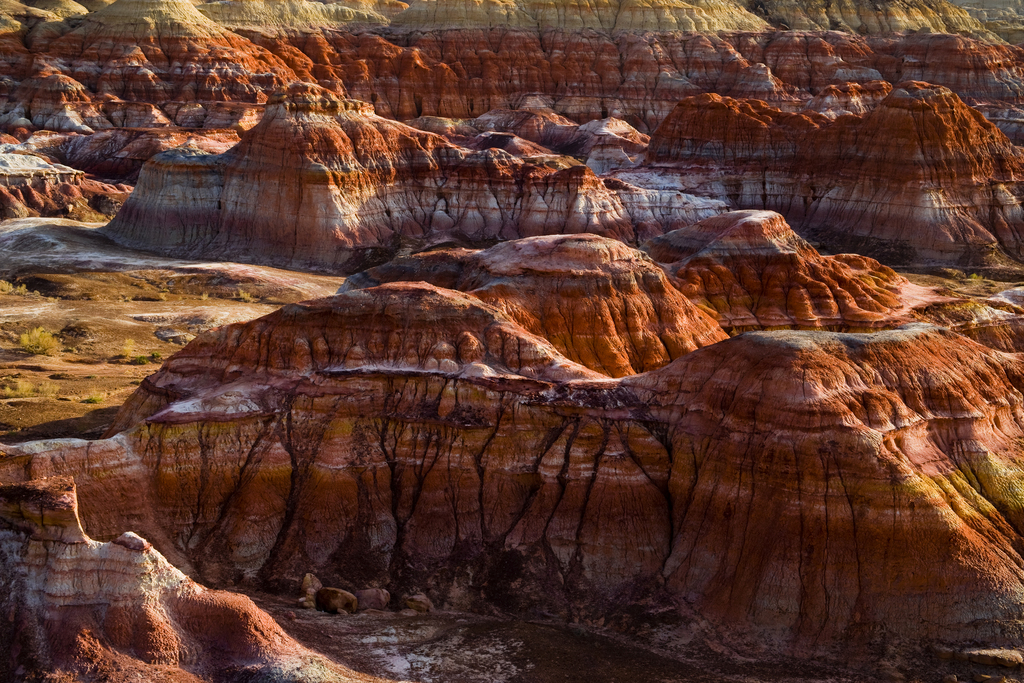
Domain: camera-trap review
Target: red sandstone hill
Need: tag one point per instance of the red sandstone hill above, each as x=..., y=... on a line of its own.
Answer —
x=756, y=273
x=921, y=178
x=599, y=302
x=797, y=491
x=324, y=183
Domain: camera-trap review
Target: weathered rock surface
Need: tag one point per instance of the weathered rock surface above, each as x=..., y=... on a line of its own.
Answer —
x=323, y=183
x=756, y=273
x=600, y=303
x=116, y=611
x=921, y=178
x=373, y=598
x=806, y=489
x=32, y=186
x=336, y=601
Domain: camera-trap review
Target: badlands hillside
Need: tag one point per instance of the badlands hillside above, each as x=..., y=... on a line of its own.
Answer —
x=508, y=341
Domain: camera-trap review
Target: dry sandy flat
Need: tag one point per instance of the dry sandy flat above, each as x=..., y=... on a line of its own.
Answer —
x=115, y=313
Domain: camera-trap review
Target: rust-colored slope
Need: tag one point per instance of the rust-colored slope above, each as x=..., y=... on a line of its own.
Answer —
x=598, y=301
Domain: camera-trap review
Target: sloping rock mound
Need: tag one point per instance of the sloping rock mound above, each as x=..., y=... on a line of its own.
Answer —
x=31, y=186
x=794, y=491
x=119, y=611
x=922, y=178
x=324, y=183
x=756, y=273
x=599, y=302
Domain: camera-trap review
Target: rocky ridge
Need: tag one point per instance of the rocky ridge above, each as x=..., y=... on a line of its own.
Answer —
x=324, y=183
x=756, y=273
x=436, y=429
x=599, y=302
x=921, y=178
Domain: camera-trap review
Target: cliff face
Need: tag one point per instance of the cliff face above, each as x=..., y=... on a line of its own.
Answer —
x=756, y=273
x=809, y=490
x=599, y=302
x=324, y=183
x=116, y=611
x=920, y=178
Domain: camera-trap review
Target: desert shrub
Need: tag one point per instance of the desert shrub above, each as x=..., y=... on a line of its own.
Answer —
x=128, y=348
x=95, y=398
x=39, y=341
x=246, y=296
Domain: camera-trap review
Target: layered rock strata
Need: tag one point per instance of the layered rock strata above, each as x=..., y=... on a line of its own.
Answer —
x=921, y=178
x=118, y=611
x=756, y=273
x=31, y=186
x=324, y=183
x=599, y=302
x=798, y=491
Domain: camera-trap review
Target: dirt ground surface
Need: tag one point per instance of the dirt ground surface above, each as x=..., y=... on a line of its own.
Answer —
x=113, y=314
x=455, y=647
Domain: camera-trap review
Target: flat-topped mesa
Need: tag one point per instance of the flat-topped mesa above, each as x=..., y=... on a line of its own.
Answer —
x=323, y=183
x=922, y=178
x=800, y=491
x=756, y=273
x=599, y=302
x=75, y=606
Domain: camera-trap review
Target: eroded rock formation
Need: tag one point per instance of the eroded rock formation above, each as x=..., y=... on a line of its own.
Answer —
x=810, y=490
x=599, y=302
x=920, y=178
x=756, y=273
x=118, y=611
x=325, y=183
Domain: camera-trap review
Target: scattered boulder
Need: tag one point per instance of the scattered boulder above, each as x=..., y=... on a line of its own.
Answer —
x=335, y=601
x=408, y=613
x=373, y=598
x=419, y=602
x=1007, y=658
x=310, y=585
x=949, y=678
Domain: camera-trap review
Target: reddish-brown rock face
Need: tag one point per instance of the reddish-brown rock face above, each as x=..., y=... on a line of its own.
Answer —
x=599, y=302
x=756, y=273
x=920, y=178
x=116, y=611
x=809, y=490
x=323, y=183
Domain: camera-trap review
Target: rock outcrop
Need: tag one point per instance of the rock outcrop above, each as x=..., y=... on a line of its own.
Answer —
x=599, y=302
x=119, y=611
x=800, y=491
x=756, y=273
x=324, y=183
x=31, y=186
x=921, y=178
